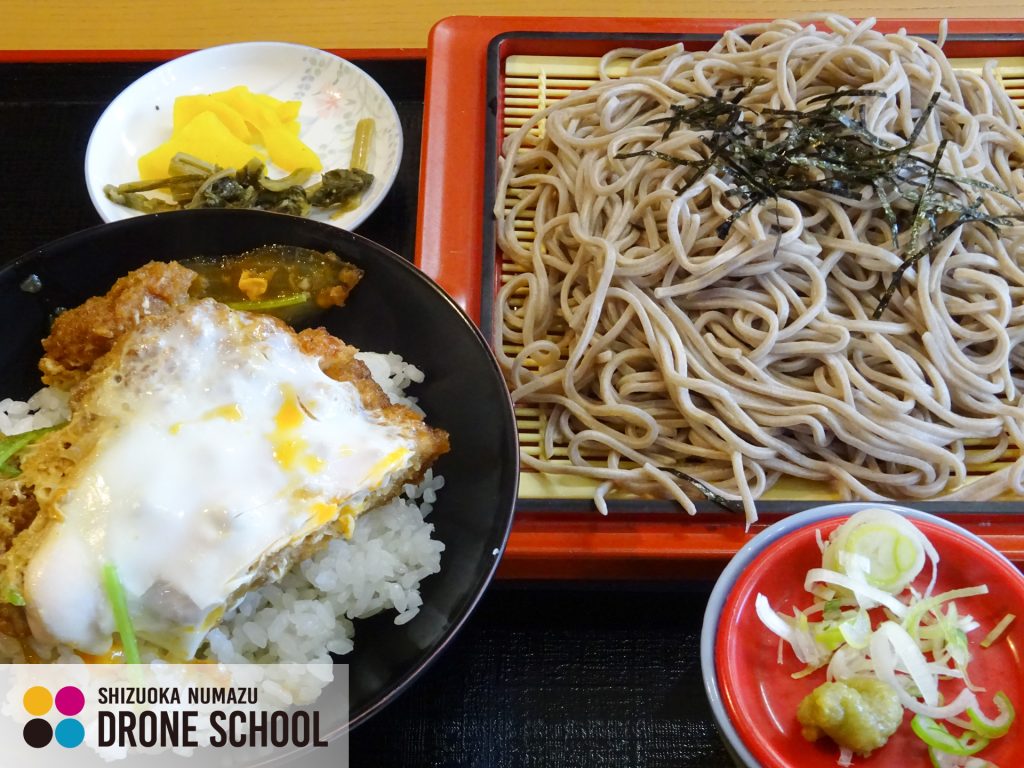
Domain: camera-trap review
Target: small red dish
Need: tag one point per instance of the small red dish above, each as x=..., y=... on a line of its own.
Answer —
x=761, y=697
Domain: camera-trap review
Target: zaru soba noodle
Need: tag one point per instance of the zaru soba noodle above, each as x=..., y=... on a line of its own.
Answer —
x=739, y=274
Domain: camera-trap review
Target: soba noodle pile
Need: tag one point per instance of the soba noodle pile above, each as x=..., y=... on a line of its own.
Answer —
x=649, y=342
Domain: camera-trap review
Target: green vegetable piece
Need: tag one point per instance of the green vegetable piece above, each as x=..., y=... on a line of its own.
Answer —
x=291, y=200
x=194, y=183
x=997, y=630
x=12, y=445
x=956, y=645
x=223, y=190
x=171, y=182
x=13, y=597
x=296, y=178
x=136, y=200
x=290, y=300
x=183, y=163
x=912, y=621
x=830, y=637
x=338, y=187
x=122, y=618
x=833, y=609
x=361, y=144
x=938, y=737
x=999, y=726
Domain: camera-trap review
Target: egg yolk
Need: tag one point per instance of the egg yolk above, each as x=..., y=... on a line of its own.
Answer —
x=289, y=448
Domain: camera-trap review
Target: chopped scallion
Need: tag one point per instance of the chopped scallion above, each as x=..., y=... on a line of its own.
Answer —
x=998, y=630
x=122, y=619
x=289, y=300
x=12, y=445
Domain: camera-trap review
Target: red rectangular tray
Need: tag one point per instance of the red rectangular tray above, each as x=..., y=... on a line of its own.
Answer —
x=554, y=541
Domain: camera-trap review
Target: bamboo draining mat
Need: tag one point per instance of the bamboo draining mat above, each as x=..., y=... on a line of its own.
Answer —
x=533, y=83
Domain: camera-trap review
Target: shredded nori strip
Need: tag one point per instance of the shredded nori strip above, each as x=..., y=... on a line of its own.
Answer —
x=709, y=493
x=770, y=154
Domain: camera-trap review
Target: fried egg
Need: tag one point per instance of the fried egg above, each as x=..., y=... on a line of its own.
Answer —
x=212, y=446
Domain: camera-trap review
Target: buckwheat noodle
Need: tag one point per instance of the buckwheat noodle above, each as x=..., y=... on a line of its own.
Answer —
x=648, y=342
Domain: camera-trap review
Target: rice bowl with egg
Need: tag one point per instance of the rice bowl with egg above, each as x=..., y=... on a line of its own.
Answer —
x=396, y=307
x=276, y=586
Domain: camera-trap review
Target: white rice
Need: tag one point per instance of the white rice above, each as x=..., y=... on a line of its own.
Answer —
x=393, y=375
x=45, y=408
x=309, y=613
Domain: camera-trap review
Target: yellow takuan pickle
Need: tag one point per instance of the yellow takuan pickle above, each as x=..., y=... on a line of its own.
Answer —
x=205, y=137
x=231, y=127
x=284, y=148
x=187, y=108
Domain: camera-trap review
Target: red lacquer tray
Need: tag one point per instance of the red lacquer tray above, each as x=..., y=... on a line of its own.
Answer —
x=555, y=538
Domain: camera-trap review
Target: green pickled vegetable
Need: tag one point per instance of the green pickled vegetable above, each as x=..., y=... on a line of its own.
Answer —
x=194, y=183
x=340, y=187
x=136, y=201
x=223, y=190
x=361, y=144
x=294, y=179
x=291, y=200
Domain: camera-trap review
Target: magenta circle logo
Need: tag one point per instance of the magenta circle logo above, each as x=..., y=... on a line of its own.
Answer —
x=69, y=701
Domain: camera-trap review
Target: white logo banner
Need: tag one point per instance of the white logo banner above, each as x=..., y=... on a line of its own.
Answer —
x=155, y=715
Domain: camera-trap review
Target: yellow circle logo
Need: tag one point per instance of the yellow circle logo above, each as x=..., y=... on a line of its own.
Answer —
x=38, y=701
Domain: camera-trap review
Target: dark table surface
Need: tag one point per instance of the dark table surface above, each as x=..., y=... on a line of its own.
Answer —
x=559, y=675
x=548, y=674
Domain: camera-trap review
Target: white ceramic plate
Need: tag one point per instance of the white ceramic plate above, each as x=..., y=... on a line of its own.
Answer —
x=335, y=94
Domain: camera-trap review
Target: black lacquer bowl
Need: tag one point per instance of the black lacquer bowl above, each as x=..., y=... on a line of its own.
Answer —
x=394, y=308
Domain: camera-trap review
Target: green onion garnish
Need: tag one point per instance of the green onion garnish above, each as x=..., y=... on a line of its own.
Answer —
x=938, y=737
x=122, y=619
x=288, y=300
x=11, y=445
